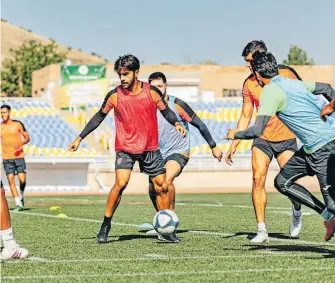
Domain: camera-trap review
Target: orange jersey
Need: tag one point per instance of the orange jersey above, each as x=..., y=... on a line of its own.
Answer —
x=11, y=139
x=275, y=130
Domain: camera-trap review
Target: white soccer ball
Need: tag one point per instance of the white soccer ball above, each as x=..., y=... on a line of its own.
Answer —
x=166, y=222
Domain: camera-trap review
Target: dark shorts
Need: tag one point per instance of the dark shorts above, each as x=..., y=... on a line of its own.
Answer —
x=320, y=163
x=179, y=158
x=14, y=166
x=151, y=162
x=274, y=149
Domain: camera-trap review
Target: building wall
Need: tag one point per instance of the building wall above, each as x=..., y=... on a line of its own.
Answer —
x=211, y=78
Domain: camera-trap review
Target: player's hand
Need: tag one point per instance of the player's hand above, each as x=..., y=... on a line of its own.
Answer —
x=75, y=144
x=229, y=155
x=18, y=150
x=179, y=128
x=217, y=153
x=230, y=135
x=327, y=110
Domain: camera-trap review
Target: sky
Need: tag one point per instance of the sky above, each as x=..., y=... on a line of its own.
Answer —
x=181, y=31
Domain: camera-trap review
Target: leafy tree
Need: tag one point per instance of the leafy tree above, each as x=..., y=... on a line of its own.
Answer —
x=16, y=73
x=298, y=56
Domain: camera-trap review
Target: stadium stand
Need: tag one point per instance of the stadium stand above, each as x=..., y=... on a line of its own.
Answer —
x=50, y=135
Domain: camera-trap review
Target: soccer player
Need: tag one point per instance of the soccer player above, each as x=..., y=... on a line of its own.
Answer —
x=13, y=137
x=277, y=141
x=295, y=103
x=175, y=149
x=135, y=104
x=11, y=249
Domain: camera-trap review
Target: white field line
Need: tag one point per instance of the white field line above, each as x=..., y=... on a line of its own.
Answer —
x=72, y=218
x=37, y=259
x=195, y=231
x=172, y=273
x=285, y=212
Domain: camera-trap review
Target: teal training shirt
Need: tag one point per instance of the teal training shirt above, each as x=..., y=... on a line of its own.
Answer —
x=297, y=107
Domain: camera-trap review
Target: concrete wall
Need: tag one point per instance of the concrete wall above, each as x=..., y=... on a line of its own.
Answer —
x=199, y=182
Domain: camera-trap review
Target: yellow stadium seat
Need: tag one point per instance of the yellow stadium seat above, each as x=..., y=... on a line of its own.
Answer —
x=45, y=150
x=38, y=151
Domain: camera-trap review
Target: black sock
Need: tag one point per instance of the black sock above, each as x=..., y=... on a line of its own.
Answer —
x=299, y=193
x=107, y=220
x=296, y=205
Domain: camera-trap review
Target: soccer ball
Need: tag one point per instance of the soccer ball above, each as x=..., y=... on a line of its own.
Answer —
x=166, y=222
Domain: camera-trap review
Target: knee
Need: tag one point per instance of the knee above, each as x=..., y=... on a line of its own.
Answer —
x=161, y=188
x=120, y=185
x=169, y=180
x=11, y=180
x=281, y=183
x=259, y=181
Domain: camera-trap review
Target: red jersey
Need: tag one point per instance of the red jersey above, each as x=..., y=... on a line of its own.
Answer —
x=135, y=118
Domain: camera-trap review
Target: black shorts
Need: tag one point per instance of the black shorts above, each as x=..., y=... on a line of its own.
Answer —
x=320, y=163
x=274, y=149
x=14, y=166
x=151, y=162
x=179, y=158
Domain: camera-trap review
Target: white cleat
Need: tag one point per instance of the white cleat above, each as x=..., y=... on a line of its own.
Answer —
x=17, y=253
x=261, y=237
x=296, y=225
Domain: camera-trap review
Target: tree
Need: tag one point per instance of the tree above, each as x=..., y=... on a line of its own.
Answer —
x=298, y=56
x=208, y=62
x=16, y=73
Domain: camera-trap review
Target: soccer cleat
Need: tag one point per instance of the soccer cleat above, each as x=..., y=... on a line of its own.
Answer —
x=173, y=238
x=330, y=229
x=18, y=208
x=103, y=233
x=261, y=237
x=295, y=226
x=17, y=253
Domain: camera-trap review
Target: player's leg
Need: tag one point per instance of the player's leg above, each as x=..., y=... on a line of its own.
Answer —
x=152, y=164
x=153, y=194
x=13, y=189
x=173, y=169
x=323, y=163
x=161, y=188
x=11, y=249
x=124, y=164
x=293, y=170
x=261, y=159
x=174, y=165
x=122, y=177
x=282, y=158
x=21, y=174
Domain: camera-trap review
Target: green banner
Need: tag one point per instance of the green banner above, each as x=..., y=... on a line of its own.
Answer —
x=82, y=73
x=81, y=84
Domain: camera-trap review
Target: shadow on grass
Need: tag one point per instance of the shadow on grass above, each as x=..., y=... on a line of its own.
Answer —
x=327, y=253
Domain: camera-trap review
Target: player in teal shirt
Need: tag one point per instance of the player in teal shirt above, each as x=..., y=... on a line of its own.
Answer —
x=295, y=103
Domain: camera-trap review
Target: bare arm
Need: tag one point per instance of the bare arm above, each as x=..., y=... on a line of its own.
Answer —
x=25, y=135
x=246, y=114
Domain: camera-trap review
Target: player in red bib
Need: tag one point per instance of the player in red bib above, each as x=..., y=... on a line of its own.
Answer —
x=135, y=104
